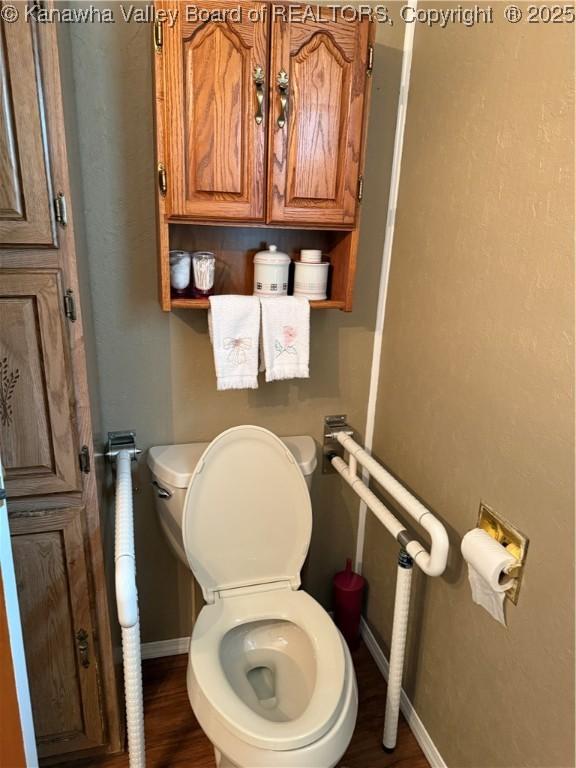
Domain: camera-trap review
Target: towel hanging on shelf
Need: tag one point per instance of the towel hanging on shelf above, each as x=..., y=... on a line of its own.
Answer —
x=286, y=337
x=234, y=323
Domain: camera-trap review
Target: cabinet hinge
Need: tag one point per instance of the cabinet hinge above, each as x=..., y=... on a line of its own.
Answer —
x=60, y=210
x=82, y=642
x=84, y=460
x=370, y=65
x=70, y=305
x=158, y=37
x=37, y=7
x=360, y=188
x=162, y=179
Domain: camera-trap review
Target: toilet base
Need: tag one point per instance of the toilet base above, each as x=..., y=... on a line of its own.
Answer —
x=222, y=761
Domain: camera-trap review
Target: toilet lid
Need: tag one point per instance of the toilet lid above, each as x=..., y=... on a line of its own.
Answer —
x=247, y=513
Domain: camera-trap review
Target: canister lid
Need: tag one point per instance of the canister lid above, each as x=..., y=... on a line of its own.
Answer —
x=271, y=256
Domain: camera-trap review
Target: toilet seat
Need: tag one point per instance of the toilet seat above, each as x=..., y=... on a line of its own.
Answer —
x=247, y=516
x=284, y=604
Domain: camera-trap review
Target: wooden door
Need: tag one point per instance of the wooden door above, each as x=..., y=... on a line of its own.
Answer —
x=215, y=129
x=37, y=434
x=52, y=580
x=26, y=213
x=315, y=156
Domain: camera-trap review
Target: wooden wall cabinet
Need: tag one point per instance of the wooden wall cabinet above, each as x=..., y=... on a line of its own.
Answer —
x=260, y=123
x=46, y=440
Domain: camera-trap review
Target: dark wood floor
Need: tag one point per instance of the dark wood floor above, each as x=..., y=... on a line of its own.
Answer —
x=174, y=739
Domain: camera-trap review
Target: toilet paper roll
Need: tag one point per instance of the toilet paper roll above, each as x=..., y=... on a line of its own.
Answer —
x=488, y=558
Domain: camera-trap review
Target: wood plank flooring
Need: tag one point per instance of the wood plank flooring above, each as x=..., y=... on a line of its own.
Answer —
x=174, y=739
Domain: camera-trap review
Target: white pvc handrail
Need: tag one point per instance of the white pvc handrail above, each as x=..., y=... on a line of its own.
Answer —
x=127, y=607
x=433, y=563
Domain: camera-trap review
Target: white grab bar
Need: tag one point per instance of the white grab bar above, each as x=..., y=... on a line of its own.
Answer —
x=127, y=607
x=433, y=563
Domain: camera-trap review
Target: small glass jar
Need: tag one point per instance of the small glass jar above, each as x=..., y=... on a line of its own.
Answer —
x=179, y=270
x=204, y=263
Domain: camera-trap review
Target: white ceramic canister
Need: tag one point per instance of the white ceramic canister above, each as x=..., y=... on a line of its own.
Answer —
x=271, y=269
x=311, y=280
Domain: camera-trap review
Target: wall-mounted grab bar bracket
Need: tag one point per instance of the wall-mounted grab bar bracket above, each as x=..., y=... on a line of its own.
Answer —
x=333, y=426
x=124, y=440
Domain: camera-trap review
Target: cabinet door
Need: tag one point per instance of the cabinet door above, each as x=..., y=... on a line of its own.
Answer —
x=52, y=580
x=26, y=214
x=216, y=139
x=315, y=156
x=37, y=434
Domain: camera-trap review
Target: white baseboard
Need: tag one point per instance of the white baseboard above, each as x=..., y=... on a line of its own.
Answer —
x=158, y=650
x=415, y=724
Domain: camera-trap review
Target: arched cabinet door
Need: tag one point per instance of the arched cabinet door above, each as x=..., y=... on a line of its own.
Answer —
x=319, y=71
x=215, y=73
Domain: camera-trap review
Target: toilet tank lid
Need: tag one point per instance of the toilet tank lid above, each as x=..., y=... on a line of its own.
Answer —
x=174, y=464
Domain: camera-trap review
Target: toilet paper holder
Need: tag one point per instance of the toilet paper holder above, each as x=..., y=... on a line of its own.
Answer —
x=510, y=537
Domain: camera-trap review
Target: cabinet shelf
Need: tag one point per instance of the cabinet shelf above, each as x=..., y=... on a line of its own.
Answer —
x=235, y=247
x=205, y=304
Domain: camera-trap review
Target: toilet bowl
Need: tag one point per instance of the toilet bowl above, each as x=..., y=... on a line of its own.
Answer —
x=269, y=678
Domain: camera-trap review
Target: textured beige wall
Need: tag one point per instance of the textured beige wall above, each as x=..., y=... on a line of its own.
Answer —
x=475, y=400
x=155, y=370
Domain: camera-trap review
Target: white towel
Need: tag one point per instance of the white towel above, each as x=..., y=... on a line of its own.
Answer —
x=286, y=337
x=234, y=323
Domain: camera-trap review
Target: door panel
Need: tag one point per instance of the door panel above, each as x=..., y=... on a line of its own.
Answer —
x=52, y=580
x=315, y=158
x=36, y=417
x=26, y=214
x=216, y=152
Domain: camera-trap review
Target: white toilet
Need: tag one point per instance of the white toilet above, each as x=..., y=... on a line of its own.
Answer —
x=270, y=678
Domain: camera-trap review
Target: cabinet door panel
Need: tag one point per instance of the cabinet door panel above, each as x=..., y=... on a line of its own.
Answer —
x=216, y=149
x=36, y=417
x=26, y=215
x=315, y=158
x=52, y=580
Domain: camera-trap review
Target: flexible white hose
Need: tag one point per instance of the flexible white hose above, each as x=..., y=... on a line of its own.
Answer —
x=400, y=627
x=127, y=605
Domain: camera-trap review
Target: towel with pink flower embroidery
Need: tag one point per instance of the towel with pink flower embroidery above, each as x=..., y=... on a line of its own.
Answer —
x=286, y=337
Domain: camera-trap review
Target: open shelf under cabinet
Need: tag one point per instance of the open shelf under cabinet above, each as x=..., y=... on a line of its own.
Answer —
x=235, y=248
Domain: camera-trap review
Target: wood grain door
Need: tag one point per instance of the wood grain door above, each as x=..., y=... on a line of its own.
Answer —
x=215, y=129
x=37, y=424
x=52, y=581
x=315, y=155
x=26, y=213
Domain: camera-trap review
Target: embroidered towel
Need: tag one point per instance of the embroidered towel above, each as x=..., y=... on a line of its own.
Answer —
x=234, y=323
x=286, y=337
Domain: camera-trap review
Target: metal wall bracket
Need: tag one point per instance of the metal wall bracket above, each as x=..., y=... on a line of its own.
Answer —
x=331, y=447
x=121, y=441
x=506, y=534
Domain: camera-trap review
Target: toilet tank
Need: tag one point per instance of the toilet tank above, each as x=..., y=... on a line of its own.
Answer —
x=172, y=467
